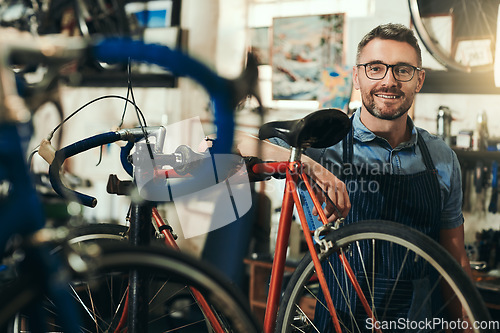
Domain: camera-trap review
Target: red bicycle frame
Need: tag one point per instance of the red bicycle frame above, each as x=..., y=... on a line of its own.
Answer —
x=294, y=173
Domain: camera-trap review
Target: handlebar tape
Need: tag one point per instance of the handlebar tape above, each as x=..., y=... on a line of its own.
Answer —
x=71, y=150
x=221, y=90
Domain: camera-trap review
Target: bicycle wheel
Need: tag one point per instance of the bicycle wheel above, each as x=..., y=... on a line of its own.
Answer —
x=460, y=34
x=431, y=307
x=171, y=307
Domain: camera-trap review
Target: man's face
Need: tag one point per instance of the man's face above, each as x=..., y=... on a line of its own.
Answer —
x=387, y=98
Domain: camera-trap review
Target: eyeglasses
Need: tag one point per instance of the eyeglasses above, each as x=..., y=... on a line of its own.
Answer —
x=401, y=72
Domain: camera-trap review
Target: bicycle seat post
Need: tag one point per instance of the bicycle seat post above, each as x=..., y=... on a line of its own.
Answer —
x=295, y=154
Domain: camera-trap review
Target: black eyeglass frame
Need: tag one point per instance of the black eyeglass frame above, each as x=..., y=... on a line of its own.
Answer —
x=387, y=69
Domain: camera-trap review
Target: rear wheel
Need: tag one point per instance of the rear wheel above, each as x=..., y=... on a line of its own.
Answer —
x=428, y=279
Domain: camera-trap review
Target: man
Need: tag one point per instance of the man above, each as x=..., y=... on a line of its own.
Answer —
x=389, y=157
x=388, y=74
x=392, y=158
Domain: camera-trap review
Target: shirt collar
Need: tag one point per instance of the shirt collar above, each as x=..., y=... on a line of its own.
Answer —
x=363, y=134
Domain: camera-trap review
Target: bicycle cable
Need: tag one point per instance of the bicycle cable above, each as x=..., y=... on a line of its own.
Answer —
x=51, y=134
x=139, y=114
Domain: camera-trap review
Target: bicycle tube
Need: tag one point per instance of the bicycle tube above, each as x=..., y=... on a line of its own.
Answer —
x=39, y=273
x=298, y=307
x=171, y=304
x=102, y=233
x=31, y=284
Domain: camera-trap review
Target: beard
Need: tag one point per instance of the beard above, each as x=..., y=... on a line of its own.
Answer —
x=371, y=107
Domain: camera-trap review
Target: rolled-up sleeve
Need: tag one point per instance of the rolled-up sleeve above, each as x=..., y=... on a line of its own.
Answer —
x=451, y=215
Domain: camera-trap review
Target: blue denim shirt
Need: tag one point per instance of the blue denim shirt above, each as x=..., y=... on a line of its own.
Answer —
x=375, y=152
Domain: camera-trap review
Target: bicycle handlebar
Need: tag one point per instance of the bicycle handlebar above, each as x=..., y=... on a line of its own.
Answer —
x=95, y=141
x=71, y=150
x=184, y=160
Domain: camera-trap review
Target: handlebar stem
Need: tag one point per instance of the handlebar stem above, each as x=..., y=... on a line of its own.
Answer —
x=132, y=134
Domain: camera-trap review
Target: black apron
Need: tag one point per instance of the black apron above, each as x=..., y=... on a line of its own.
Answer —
x=413, y=200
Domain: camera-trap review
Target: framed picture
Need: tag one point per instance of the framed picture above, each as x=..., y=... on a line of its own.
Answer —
x=305, y=51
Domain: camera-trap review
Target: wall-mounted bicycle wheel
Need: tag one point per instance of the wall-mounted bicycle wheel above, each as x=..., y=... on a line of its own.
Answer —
x=460, y=34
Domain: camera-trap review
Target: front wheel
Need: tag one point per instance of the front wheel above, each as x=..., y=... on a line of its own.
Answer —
x=409, y=282
x=166, y=278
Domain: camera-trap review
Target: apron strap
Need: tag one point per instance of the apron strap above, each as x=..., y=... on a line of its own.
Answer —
x=348, y=150
x=348, y=146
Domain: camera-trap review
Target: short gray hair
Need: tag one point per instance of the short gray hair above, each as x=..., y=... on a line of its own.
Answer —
x=392, y=31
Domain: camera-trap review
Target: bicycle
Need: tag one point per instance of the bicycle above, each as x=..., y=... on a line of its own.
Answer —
x=307, y=287
x=92, y=267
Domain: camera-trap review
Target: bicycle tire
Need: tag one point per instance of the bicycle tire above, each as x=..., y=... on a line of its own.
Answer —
x=465, y=20
x=111, y=268
x=293, y=317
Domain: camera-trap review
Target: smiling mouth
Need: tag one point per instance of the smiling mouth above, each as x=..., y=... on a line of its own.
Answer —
x=388, y=96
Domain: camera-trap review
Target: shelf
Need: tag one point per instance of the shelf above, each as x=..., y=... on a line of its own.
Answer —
x=466, y=156
x=452, y=82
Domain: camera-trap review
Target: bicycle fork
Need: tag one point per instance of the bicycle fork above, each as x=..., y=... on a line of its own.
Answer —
x=140, y=229
x=170, y=241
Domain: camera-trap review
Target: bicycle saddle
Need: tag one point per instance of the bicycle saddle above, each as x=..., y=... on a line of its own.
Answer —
x=320, y=129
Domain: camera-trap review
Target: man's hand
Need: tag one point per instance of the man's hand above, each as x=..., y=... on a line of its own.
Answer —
x=329, y=190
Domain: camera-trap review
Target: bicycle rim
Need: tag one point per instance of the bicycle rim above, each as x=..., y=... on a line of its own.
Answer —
x=98, y=233
x=168, y=276
x=431, y=306
x=460, y=34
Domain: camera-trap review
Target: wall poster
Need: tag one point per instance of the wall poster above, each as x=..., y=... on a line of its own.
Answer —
x=308, y=59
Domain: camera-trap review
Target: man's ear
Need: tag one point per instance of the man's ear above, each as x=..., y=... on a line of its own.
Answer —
x=355, y=78
x=420, y=80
